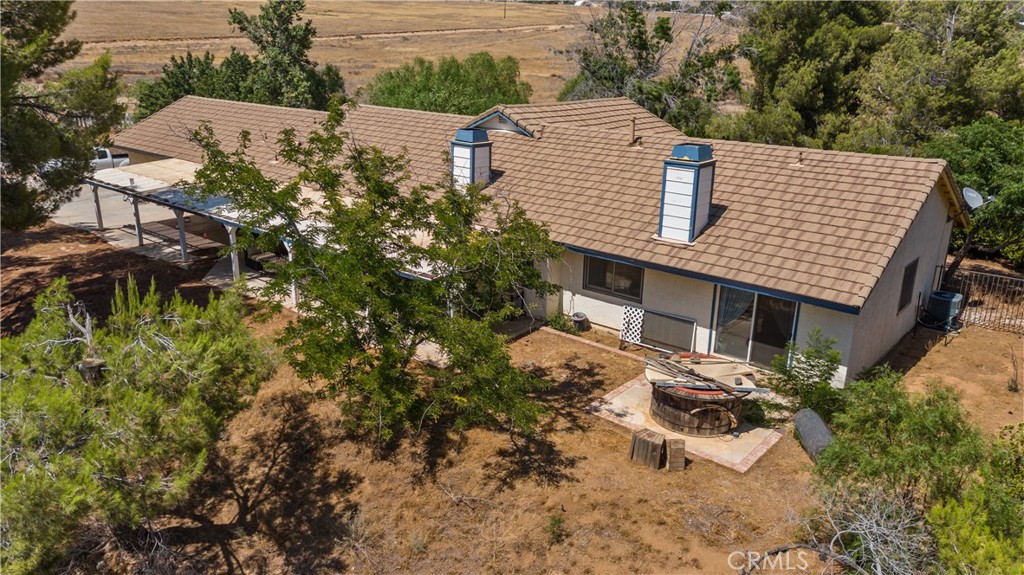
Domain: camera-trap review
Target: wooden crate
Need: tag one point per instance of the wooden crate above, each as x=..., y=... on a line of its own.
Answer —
x=646, y=448
x=675, y=454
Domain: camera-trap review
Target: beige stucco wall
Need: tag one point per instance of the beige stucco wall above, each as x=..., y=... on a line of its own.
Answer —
x=662, y=292
x=879, y=327
x=862, y=339
x=138, y=157
x=835, y=324
x=543, y=308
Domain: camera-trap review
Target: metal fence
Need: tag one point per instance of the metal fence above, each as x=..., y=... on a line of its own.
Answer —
x=990, y=300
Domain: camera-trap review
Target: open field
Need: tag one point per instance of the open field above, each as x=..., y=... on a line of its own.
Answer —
x=360, y=37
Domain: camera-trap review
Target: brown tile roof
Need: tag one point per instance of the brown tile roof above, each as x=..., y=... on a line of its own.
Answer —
x=422, y=136
x=823, y=229
x=613, y=114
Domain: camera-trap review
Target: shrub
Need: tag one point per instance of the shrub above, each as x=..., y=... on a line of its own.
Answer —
x=124, y=442
x=556, y=529
x=563, y=323
x=917, y=448
x=966, y=543
x=804, y=377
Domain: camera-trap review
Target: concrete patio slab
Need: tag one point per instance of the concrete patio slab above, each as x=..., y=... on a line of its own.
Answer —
x=628, y=406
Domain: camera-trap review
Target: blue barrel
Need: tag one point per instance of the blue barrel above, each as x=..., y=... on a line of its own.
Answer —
x=944, y=306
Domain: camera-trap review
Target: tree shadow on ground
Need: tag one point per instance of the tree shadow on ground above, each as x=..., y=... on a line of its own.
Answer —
x=436, y=442
x=92, y=269
x=284, y=490
x=574, y=385
x=533, y=458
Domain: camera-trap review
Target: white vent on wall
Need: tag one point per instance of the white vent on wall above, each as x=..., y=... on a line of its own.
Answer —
x=687, y=189
x=471, y=158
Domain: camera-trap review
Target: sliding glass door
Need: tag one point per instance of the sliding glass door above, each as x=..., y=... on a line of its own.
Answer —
x=753, y=327
x=735, y=317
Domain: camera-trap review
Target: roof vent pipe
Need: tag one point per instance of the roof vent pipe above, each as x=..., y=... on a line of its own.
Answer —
x=471, y=158
x=688, y=180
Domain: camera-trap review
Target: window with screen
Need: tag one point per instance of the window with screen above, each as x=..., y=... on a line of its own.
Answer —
x=668, y=333
x=907, y=289
x=619, y=279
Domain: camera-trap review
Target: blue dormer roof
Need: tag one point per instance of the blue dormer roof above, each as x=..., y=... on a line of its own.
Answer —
x=692, y=152
x=471, y=136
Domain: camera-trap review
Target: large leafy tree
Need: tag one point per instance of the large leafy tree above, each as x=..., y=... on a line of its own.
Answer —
x=624, y=54
x=807, y=59
x=383, y=267
x=988, y=155
x=112, y=423
x=947, y=64
x=467, y=87
x=48, y=127
x=279, y=73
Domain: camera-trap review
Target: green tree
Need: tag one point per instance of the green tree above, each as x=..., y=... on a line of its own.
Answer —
x=112, y=423
x=778, y=125
x=280, y=73
x=622, y=54
x=49, y=128
x=988, y=155
x=805, y=376
x=947, y=64
x=919, y=449
x=619, y=54
x=807, y=59
x=383, y=267
x=469, y=87
x=1002, y=486
x=966, y=544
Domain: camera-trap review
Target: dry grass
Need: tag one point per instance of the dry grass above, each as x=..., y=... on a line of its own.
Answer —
x=287, y=491
x=978, y=363
x=360, y=37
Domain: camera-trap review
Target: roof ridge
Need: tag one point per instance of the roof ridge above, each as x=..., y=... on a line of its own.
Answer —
x=239, y=102
x=413, y=111
x=606, y=132
x=355, y=106
x=570, y=102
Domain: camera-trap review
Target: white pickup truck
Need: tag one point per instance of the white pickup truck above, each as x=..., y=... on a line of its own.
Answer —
x=104, y=159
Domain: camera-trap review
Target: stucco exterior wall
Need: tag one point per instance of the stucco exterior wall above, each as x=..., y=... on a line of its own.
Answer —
x=834, y=324
x=662, y=292
x=880, y=325
x=138, y=157
x=543, y=308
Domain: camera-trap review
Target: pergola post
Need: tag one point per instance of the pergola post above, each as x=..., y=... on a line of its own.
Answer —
x=99, y=212
x=232, y=239
x=181, y=234
x=295, y=291
x=138, y=222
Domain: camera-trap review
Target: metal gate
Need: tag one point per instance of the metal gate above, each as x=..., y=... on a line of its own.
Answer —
x=992, y=301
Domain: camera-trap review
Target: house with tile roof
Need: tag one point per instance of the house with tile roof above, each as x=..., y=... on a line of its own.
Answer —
x=678, y=243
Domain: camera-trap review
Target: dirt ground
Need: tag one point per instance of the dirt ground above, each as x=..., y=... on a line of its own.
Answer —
x=31, y=260
x=360, y=37
x=288, y=491
x=977, y=362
